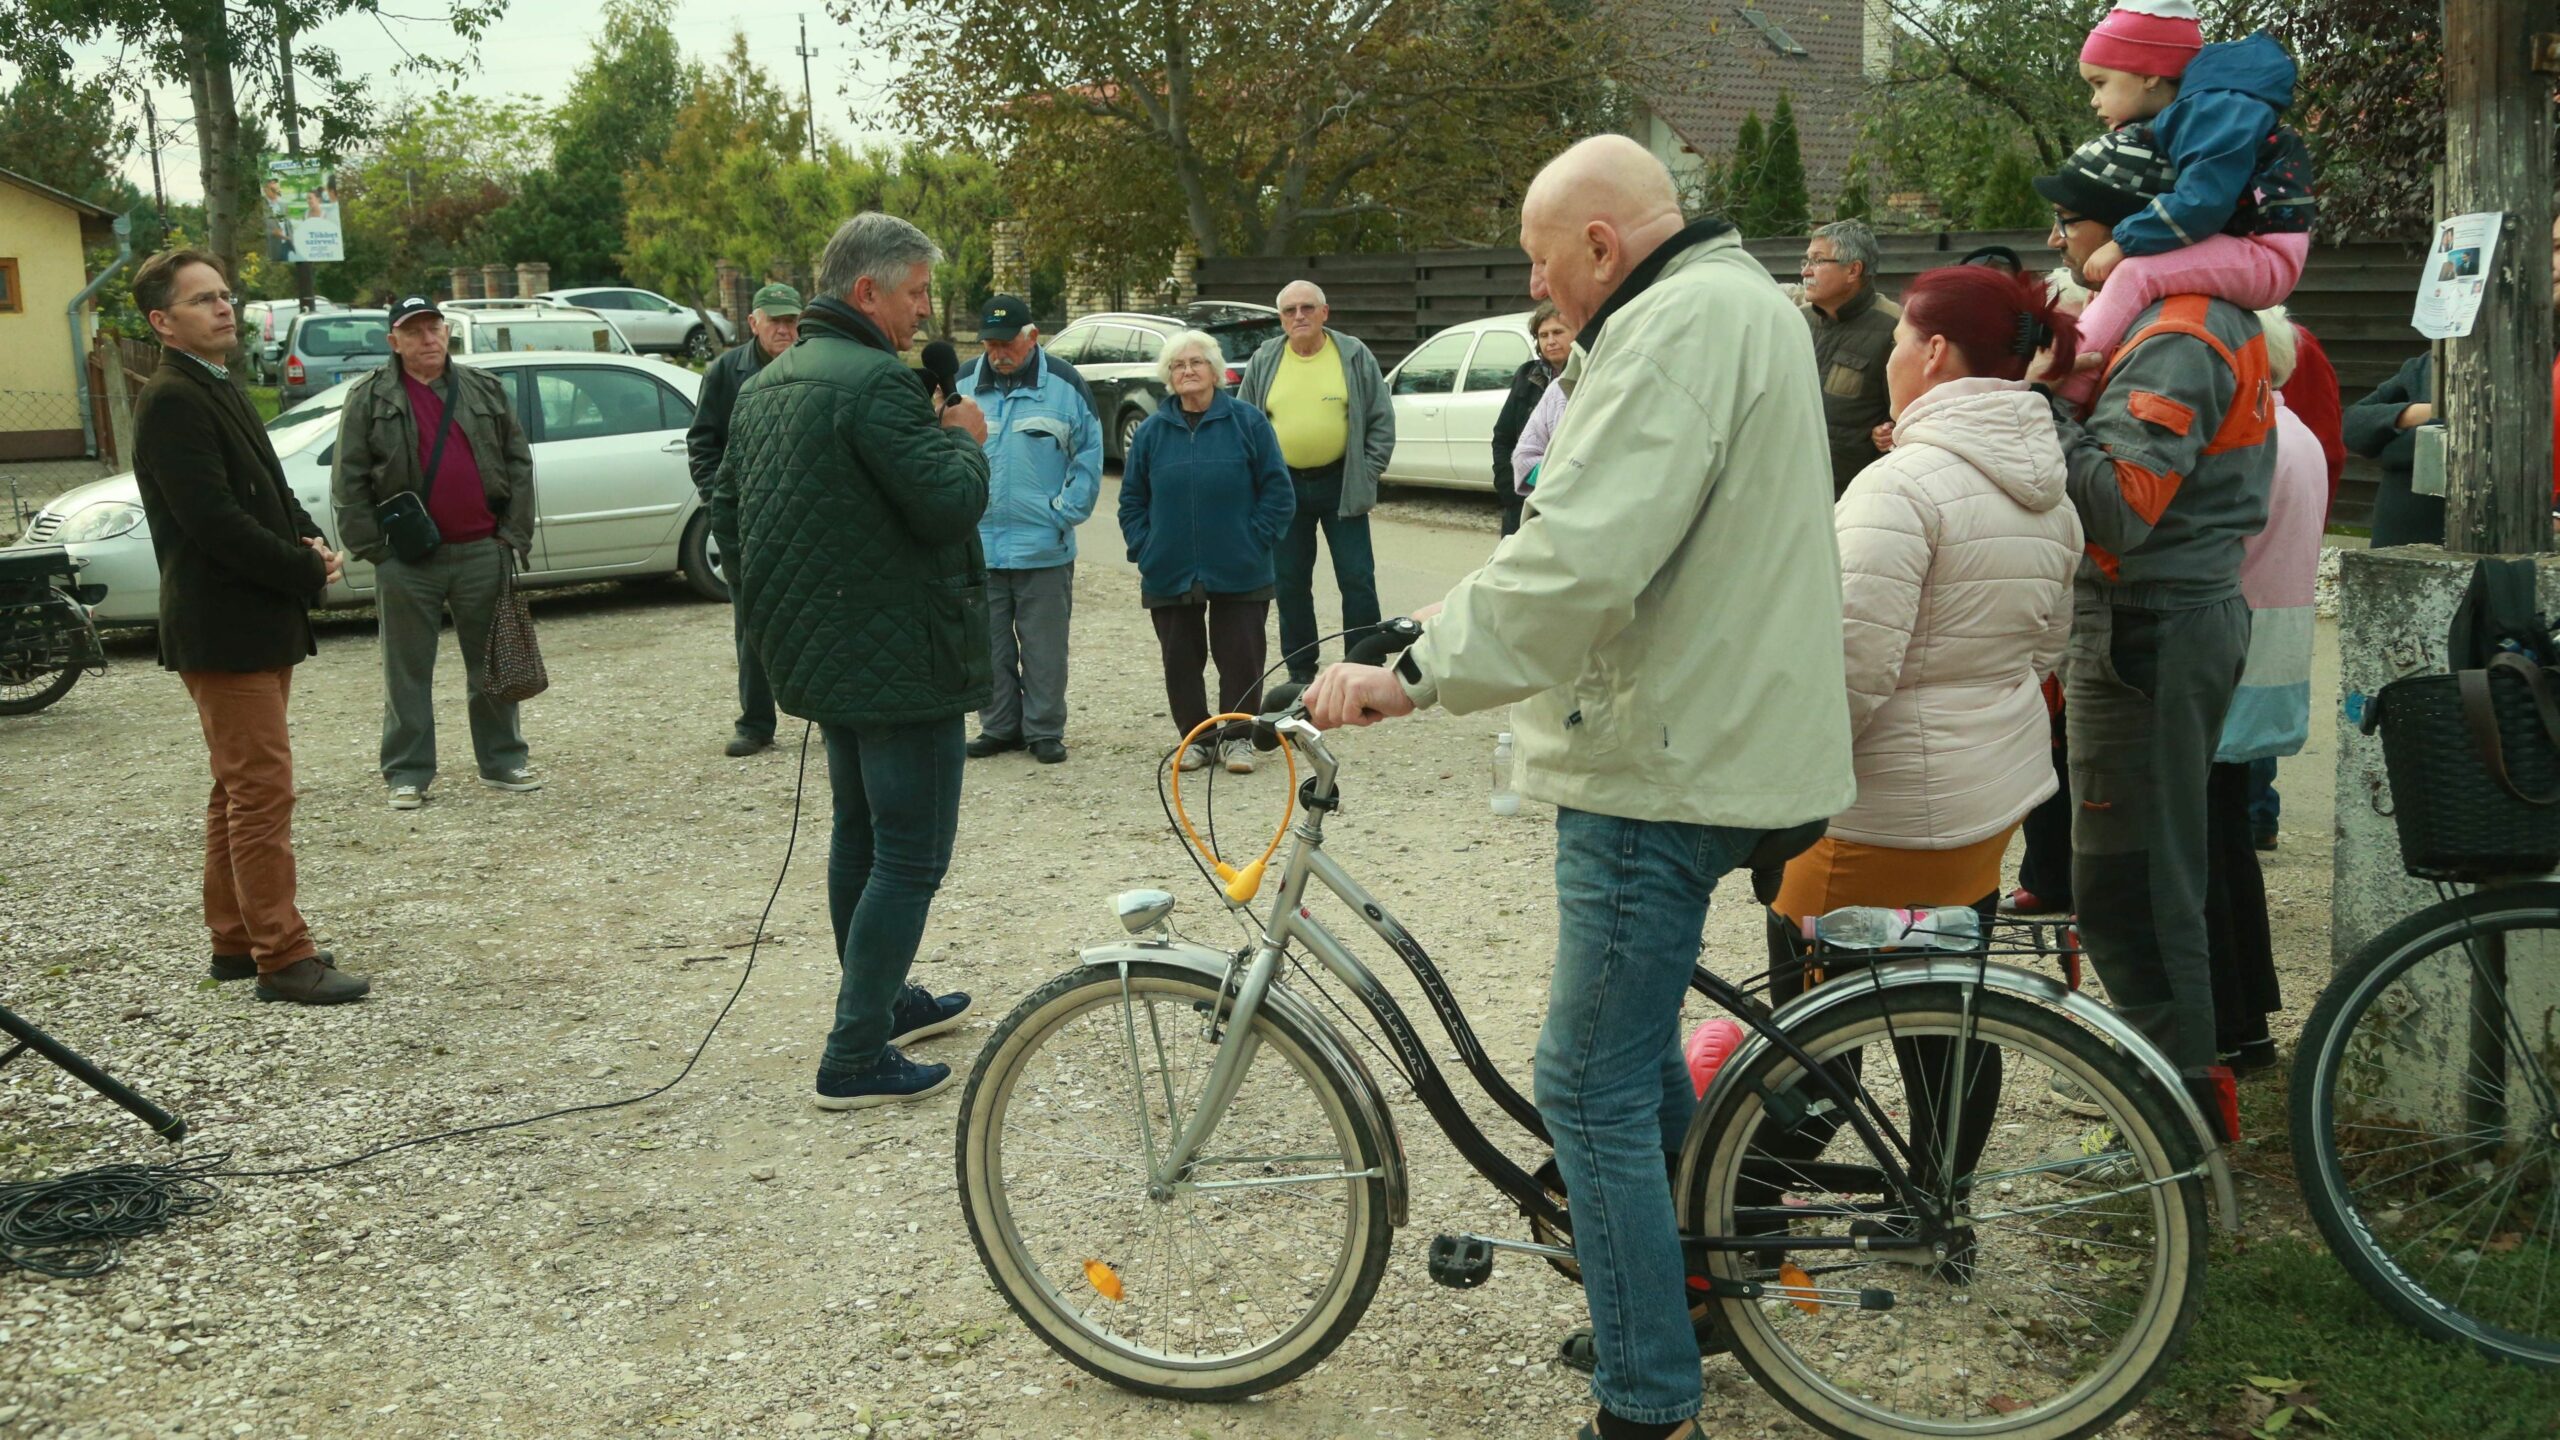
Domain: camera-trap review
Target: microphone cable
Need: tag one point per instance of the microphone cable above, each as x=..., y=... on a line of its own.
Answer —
x=73, y=1226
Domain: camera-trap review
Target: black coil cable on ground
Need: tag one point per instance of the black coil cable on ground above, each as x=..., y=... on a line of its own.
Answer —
x=71, y=1227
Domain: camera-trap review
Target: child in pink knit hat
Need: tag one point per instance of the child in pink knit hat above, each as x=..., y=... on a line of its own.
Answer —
x=2237, y=222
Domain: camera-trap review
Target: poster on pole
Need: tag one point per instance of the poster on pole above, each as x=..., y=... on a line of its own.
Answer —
x=301, y=198
x=2456, y=274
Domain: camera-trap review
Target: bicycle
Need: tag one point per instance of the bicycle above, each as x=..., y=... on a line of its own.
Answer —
x=2426, y=1119
x=2006, y=1301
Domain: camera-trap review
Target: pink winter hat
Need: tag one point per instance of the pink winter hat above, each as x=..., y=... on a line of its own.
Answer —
x=2146, y=37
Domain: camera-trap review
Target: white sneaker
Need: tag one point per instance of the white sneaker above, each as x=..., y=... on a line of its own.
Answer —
x=2070, y=1095
x=1197, y=757
x=518, y=781
x=407, y=797
x=1239, y=757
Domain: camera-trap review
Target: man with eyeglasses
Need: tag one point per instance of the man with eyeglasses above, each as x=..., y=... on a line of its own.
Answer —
x=2170, y=468
x=241, y=565
x=1328, y=402
x=1852, y=335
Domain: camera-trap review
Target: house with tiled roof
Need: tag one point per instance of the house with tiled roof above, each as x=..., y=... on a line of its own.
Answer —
x=1722, y=61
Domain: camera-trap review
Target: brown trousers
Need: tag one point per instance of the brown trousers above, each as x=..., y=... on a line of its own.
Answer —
x=248, y=824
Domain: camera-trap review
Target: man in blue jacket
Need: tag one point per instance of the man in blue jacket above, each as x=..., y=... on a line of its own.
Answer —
x=1044, y=472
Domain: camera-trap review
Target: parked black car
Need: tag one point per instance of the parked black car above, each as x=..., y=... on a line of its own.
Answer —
x=1117, y=351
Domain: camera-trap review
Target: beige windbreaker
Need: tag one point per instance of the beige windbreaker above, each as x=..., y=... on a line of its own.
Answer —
x=1669, y=611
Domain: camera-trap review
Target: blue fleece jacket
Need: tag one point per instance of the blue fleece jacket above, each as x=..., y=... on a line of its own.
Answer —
x=2227, y=105
x=1044, y=461
x=1204, y=504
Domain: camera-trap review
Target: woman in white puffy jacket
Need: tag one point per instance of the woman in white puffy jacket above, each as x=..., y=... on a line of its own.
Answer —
x=1956, y=555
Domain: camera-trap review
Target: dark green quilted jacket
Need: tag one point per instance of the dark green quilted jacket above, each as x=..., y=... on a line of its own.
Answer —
x=849, y=518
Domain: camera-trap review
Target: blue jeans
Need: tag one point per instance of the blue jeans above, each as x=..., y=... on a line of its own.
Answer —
x=2266, y=807
x=1631, y=898
x=897, y=794
x=1355, y=570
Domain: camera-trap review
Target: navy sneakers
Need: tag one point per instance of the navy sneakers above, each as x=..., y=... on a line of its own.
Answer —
x=894, y=1080
x=921, y=1013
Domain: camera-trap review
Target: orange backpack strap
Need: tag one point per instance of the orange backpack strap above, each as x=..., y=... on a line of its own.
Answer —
x=2252, y=416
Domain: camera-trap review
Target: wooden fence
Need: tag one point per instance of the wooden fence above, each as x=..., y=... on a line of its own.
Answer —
x=2355, y=297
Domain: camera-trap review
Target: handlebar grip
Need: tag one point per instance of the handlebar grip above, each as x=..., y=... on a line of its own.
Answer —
x=1393, y=637
x=1274, y=701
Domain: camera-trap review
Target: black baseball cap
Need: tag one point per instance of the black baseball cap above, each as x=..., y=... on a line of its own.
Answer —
x=2111, y=177
x=402, y=310
x=1004, y=317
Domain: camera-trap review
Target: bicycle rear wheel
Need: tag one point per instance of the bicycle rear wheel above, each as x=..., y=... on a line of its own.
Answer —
x=2066, y=1276
x=1240, y=1276
x=2426, y=1120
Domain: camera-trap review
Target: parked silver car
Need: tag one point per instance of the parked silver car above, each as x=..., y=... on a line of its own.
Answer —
x=324, y=349
x=614, y=491
x=496, y=329
x=649, y=320
x=263, y=324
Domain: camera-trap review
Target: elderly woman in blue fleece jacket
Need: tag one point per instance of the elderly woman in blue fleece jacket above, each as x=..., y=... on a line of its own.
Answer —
x=1204, y=497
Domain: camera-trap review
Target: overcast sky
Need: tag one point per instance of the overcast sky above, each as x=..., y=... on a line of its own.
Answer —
x=536, y=49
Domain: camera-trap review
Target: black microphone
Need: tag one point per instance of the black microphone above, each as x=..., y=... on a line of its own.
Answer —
x=942, y=371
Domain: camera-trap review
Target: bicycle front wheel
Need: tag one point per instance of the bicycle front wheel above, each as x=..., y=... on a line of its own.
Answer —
x=1242, y=1273
x=2426, y=1120
x=2068, y=1263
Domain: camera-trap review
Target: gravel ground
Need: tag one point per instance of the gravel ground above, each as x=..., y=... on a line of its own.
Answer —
x=724, y=1259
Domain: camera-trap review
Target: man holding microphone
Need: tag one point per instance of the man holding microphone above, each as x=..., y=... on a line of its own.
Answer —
x=847, y=508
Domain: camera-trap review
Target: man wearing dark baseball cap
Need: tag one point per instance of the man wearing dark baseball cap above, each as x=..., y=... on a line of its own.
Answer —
x=774, y=322
x=2170, y=469
x=1044, y=473
x=425, y=431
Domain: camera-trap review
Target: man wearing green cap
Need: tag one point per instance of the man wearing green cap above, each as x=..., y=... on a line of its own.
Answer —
x=775, y=320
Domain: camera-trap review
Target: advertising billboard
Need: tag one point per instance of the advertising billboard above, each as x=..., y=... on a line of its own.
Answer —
x=301, y=199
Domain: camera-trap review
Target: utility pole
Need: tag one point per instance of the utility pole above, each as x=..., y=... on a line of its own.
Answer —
x=151, y=136
x=2501, y=58
x=302, y=282
x=808, y=105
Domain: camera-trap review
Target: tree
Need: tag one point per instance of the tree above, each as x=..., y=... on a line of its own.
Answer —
x=1269, y=127
x=620, y=112
x=1784, y=207
x=727, y=147
x=1739, y=197
x=418, y=197
x=202, y=43
x=65, y=135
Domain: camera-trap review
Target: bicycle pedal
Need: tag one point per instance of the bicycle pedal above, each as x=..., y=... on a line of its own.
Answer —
x=1461, y=1262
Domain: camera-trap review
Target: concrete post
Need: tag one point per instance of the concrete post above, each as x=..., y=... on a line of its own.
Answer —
x=532, y=277
x=1186, y=278
x=493, y=281
x=465, y=282
x=730, y=293
x=1010, y=262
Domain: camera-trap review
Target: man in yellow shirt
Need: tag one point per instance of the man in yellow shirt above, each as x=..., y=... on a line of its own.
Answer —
x=1328, y=402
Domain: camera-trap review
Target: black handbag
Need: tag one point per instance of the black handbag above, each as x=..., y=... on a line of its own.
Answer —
x=2474, y=757
x=406, y=526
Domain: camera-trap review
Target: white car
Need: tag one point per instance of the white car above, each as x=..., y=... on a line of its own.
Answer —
x=1447, y=394
x=614, y=490
x=649, y=320
x=497, y=329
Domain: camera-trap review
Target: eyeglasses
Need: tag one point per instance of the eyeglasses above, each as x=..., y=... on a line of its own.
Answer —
x=2064, y=219
x=1194, y=363
x=1300, y=309
x=1812, y=260
x=212, y=297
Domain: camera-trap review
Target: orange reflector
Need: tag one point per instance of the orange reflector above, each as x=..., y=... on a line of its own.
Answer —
x=1106, y=1280
x=1797, y=1287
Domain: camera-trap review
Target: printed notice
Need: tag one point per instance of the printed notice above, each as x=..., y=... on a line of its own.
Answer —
x=2456, y=274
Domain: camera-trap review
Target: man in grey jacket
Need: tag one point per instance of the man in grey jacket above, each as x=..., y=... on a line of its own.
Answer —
x=775, y=323
x=2170, y=469
x=1328, y=402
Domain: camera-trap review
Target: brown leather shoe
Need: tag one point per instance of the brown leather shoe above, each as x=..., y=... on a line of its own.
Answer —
x=244, y=967
x=316, y=981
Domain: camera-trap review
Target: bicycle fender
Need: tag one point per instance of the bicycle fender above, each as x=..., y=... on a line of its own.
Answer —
x=1213, y=966
x=2026, y=985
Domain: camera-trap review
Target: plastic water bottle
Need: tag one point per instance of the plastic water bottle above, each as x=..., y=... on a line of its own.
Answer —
x=1956, y=928
x=1506, y=801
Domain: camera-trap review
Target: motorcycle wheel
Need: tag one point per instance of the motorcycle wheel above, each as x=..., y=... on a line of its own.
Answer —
x=24, y=691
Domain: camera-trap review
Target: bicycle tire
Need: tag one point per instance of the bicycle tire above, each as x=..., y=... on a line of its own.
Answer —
x=2324, y=1104
x=2152, y=1137
x=1047, y=1311
x=28, y=703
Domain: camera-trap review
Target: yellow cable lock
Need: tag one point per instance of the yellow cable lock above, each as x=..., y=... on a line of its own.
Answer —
x=1241, y=885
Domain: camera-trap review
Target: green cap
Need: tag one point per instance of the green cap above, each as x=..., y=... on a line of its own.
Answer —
x=776, y=301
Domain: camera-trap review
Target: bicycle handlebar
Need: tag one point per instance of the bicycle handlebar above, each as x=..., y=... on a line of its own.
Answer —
x=1390, y=639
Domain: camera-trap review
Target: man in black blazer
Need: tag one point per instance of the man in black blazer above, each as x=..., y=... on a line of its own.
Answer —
x=241, y=564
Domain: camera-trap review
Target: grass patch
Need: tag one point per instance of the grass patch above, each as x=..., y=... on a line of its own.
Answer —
x=265, y=399
x=2284, y=1308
